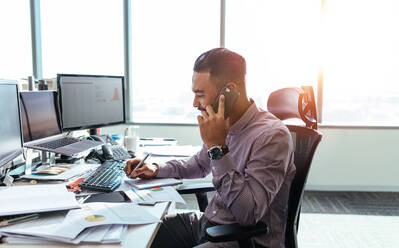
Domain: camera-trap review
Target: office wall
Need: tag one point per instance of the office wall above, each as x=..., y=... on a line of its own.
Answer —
x=365, y=159
x=356, y=159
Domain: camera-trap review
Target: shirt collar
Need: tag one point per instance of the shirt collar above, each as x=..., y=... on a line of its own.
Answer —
x=241, y=123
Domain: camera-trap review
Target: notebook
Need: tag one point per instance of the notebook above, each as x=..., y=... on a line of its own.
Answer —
x=42, y=128
x=151, y=183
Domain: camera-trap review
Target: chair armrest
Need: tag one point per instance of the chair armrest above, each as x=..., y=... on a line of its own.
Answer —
x=195, y=188
x=231, y=232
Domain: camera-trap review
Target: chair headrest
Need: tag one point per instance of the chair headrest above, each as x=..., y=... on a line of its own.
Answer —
x=294, y=102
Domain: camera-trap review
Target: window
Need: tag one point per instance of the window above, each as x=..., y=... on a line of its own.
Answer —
x=361, y=62
x=284, y=42
x=279, y=40
x=15, y=41
x=167, y=37
x=82, y=37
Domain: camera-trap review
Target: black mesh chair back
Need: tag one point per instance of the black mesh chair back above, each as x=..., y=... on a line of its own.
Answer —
x=297, y=103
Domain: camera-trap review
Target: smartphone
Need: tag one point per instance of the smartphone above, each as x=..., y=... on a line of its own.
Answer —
x=230, y=97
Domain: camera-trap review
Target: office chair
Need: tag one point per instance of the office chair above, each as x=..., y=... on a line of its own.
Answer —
x=285, y=104
x=306, y=139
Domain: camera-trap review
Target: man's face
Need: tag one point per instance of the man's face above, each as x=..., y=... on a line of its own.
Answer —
x=205, y=92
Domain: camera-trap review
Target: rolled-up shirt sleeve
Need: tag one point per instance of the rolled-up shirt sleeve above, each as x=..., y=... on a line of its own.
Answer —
x=197, y=166
x=249, y=194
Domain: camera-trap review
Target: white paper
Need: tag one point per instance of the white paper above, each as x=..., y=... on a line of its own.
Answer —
x=36, y=198
x=115, y=234
x=23, y=240
x=96, y=233
x=91, y=214
x=47, y=219
x=153, y=195
x=151, y=183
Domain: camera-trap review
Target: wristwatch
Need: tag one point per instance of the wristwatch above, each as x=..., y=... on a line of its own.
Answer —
x=217, y=152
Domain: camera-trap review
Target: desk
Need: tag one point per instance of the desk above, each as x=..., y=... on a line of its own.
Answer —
x=142, y=236
x=137, y=235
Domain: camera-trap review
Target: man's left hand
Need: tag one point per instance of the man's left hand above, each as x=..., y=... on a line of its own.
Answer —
x=213, y=126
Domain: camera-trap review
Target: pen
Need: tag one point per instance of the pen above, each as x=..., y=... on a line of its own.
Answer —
x=139, y=164
x=18, y=219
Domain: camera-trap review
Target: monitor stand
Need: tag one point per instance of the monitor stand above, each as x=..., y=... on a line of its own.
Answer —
x=28, y=161
x=46, y=159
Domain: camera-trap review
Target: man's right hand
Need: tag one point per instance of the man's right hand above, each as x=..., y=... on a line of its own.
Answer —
x=146, y=171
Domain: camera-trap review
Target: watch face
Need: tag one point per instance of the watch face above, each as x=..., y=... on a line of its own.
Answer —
x=215, y=152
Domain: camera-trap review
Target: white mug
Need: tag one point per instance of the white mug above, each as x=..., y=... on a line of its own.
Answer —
x=131, y=143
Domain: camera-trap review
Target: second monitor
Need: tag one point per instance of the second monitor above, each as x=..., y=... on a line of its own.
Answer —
x=91, y=101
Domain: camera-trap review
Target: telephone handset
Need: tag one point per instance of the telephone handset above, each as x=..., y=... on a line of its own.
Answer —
x=104, y=154
x=230, y=97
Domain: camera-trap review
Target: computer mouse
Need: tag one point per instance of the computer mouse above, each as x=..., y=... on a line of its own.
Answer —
x=107, y=152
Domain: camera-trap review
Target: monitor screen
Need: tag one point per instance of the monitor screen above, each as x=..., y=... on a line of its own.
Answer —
x=40, y=115
x=91, y=101
x=10, y=124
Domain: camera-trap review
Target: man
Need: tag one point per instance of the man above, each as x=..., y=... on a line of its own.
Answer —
x=250, y=156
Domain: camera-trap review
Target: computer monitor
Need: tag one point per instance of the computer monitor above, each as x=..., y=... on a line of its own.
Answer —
x=91, y=101
x=40, y=115
x=10, y=124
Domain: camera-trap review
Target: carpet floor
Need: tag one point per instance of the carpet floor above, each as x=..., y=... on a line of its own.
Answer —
x=334, y=219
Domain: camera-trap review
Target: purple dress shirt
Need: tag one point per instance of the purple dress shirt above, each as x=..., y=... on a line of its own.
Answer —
x=252, y=181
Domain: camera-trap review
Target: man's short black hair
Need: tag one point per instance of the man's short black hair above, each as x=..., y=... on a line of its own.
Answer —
x=223, y=65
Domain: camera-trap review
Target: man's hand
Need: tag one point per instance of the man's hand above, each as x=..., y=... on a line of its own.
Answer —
x=213, y=126
x=146, y=171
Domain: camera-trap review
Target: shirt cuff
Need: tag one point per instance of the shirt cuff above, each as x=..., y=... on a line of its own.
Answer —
x=222, y=166
x=163, y=170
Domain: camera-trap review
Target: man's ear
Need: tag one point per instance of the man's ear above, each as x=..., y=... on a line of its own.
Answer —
x=232, y=85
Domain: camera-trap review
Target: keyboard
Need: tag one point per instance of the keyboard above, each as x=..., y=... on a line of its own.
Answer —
x=54, y=144
x=107, y=177
x=120, y=153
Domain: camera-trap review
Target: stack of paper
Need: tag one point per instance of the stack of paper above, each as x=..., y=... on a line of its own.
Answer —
x=94, y=223
x=35, y=199
x=105, y=234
